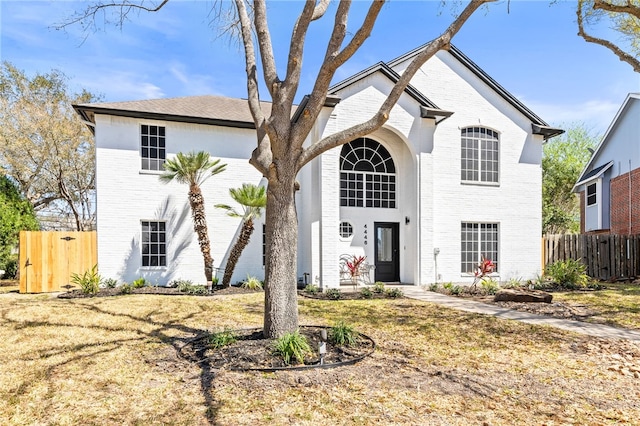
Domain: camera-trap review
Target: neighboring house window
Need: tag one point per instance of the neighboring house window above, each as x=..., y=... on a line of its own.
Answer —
x=367, y=175
x=479, y=155
x=592, y=194
x=152, y=147
x=346, y=230
x=154, y=243
x=478, y=240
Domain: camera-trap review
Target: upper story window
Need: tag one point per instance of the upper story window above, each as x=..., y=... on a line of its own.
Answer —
x=152, y=147
x=367, y=175
x=592, y=194
x=480, y=149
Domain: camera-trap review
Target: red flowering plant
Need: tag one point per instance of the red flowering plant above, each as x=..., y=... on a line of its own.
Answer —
x=484, y=268
x=354, y=267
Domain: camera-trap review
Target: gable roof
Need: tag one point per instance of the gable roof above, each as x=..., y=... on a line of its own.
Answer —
x=631, y=97
x=538, y=125
x=215, y=110
x=427, y=108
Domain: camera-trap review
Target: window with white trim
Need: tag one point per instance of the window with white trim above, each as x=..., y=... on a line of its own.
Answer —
x=479, y=155
x=592, y=194
x=152, y=147
x=367, y=175
x=346, y=230
x=154, y=243
x=478, y=240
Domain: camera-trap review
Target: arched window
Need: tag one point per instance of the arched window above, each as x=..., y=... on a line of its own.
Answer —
x=367, y=175
x=480, y=149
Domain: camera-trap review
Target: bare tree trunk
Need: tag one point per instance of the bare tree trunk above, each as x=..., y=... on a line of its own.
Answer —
x=196, y=200
x=236, y=251
x=281, y=298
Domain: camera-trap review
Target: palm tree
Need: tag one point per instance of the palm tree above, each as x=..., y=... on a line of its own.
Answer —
x=193, y=169
x=253, y=199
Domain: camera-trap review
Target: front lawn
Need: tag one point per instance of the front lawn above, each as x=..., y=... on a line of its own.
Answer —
x=618, y=304
x=112, y=361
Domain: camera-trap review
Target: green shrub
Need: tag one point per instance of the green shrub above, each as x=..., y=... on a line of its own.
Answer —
x=394, y=293
x=513, y=283
x=222, y=338
x=570, y=274
x=11, y=268
x=183, y=285
x=366, y=293
x=334, y=293
x=139, y=283
x=311, y=289
x=126, y=288
x=214, y=281
x=378, y=287
x=197, y=290
x=109, y=283
x=489, y=285
x=342, y=334
x=433, y=287
x=292, y=346
x=451, y=288
x=252, y=283
x=88, y=281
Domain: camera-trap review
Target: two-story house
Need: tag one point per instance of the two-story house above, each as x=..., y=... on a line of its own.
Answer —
x=453, y=175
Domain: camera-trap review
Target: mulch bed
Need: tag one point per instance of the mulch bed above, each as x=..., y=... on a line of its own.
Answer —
x=170, y=291
x=252, y=351
x=344, y=295
x=564, y=310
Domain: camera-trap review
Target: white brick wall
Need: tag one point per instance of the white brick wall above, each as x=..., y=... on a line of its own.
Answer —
x=127, y=195
x=430, y=193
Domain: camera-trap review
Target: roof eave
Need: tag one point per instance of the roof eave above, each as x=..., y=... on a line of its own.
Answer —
x=546, y=131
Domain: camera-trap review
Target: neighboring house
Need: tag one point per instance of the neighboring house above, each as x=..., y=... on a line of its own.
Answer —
x=609, y=186
x=453, y=175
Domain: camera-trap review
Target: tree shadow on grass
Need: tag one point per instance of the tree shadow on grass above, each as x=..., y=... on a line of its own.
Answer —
x=173, y=333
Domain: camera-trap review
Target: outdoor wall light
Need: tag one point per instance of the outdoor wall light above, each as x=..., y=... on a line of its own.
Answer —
x=407, y=220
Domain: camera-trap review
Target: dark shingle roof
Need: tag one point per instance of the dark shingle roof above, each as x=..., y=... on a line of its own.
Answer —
x=216, y=110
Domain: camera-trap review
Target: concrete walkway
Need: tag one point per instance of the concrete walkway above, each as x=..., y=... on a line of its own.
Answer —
x=597, y=330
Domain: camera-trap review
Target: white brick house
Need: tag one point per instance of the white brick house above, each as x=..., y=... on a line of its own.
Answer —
x=454, y=174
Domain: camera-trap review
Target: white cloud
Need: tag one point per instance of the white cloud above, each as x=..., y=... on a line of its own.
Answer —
x=595, y=113
x=193, y=84
x=122, y=86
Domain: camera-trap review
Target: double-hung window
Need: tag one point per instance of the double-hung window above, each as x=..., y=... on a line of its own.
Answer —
x=154, y=243
x=479, y=155
x=152, y=147
x=478, y=240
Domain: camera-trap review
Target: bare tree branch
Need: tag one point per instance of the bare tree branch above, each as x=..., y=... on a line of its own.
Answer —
x=296, y=47
x=622, y=55
x=264, y=43
x=628, y=7
x=92, y=10
x=320, y=9
x=382, y=115
x=334, y=58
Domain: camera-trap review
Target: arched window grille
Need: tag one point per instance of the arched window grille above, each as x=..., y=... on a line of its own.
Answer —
x=480, y=160
x=367, y=175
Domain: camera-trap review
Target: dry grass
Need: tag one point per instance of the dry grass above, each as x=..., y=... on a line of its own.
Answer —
x=112, y=361
x=617, y=305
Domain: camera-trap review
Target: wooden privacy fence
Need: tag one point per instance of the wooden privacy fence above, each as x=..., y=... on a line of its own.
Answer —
x=47, y=259
x=607, y=257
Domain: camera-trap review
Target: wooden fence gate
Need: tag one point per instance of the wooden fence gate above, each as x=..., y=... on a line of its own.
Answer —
x=607, y=257
x=47, y=259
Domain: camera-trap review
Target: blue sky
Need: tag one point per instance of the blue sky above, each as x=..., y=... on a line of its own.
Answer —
x=530, y=47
